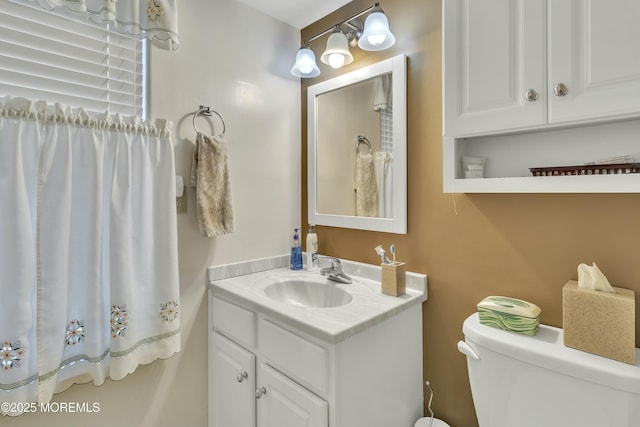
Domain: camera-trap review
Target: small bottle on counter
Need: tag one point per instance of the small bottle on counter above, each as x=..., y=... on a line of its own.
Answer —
x=312, y=248
x=296, y=251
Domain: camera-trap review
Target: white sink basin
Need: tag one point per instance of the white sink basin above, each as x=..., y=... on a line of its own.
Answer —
x=305, y=293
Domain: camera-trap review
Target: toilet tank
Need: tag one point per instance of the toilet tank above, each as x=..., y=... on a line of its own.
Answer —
x=522, y=381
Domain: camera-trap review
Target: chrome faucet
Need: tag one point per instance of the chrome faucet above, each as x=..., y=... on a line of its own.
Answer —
x=334, y=272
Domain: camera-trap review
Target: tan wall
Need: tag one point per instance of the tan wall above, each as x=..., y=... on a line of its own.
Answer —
x=471, y=246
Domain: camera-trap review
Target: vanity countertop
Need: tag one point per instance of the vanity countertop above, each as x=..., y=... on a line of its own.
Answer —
x=245, y=282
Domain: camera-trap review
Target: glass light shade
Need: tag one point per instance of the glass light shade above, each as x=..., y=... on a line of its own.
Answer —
x=337, y=51
x=305, y=65
x=376, y=34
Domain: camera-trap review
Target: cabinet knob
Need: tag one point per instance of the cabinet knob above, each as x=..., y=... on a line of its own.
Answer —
x=242, y=376
x=261, y=391
x=531, y=95
x=560, y=89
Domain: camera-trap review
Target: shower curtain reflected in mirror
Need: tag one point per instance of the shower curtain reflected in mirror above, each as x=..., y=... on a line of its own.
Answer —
x=383, y=164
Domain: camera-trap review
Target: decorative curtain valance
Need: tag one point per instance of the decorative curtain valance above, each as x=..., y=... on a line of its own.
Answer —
x=88, y=248
x=154, y=19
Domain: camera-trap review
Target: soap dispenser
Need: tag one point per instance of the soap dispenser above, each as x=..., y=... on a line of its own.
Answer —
x=296, y=251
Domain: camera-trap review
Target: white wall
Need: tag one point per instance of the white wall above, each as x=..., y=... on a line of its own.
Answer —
x=237, y=61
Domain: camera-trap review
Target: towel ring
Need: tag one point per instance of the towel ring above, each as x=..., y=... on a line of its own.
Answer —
x=207, y=111
x=363, y=140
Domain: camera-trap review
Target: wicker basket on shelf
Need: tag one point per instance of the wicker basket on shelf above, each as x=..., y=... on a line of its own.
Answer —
x=613, y=169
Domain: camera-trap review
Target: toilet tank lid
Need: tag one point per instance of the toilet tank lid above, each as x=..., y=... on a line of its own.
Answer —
x=546, y=349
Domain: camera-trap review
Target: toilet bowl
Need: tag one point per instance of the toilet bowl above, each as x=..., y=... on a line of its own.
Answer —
x=523, y=381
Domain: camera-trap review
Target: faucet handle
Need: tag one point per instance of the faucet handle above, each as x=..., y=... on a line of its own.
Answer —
x=333, y=260
x=334, y=272
x=335, y=266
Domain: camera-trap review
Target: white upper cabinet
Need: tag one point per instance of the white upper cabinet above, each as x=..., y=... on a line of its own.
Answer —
x=542, y=85
x=495, y=65
x=512, y=65
x=594, y=52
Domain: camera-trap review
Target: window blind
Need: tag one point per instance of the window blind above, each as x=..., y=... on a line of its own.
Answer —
x=60, y=56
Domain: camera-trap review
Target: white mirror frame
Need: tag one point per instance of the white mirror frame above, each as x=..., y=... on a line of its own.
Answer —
x=397, y=224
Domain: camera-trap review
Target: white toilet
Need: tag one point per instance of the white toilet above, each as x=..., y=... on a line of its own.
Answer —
x=522, y=381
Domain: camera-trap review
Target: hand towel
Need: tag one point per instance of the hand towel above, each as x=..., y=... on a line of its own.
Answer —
x=210, y=176
x=366, y=190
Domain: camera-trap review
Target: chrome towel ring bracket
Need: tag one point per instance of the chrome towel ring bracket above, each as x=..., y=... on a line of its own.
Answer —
x=207, y=111
x=363, y=140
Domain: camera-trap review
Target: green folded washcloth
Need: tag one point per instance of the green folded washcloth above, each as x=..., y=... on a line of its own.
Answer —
x=510, y=314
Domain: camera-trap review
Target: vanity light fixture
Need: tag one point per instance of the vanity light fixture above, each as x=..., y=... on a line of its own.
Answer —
x=305, y=65
x=337, y=52
x=376, y=34
x=373, y=34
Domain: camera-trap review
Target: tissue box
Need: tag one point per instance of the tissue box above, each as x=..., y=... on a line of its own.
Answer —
x=601, y=323
x=394, y=279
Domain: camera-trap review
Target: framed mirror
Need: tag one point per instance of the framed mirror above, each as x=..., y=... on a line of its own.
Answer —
x=357, y=149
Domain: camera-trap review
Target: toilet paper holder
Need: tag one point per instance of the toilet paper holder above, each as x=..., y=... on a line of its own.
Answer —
x=430, y=421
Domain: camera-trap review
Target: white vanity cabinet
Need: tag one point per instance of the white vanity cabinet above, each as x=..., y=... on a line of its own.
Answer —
x=245, y=391
x=265, y=372
x=535, y=66
x=239, y=390
x=233, y=383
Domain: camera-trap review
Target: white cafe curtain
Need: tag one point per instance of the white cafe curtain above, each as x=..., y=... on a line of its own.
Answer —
x=88, y=248
x=154, y=19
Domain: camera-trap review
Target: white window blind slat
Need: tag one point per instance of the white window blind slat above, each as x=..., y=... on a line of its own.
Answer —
x=70, y=39
x=15, y=70
x=118, y=104
x=29, y=17
x=58, y=56
x=34, y=93
x=36, y=62
x=43, y=84
x=29, y=61
x=125, y=66
x=69, y=33
x=85, y=50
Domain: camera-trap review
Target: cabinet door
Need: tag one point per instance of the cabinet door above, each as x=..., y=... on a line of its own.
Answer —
x=232, y=384
x=287, y=404
x=593, y=51
x=494, y=56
